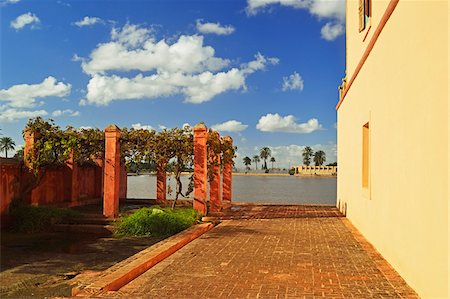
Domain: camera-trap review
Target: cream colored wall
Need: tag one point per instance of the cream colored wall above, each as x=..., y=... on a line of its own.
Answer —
x=356, y=43
x=402, y=90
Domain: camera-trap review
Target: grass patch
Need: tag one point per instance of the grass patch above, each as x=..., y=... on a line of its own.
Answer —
x=33, y=219
x=156, y=221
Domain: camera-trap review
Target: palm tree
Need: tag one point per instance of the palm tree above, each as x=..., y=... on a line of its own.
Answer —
x=319, y=158
x=272, y=160
x=256, y=160
x=247, y=162
x=6, y=144
x=307, y=153
x=265, y=153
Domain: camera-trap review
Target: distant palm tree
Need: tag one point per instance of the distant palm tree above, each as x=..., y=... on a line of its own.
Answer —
x=319, y=158
x=272, y=160
x=256, y=160
x=307, y=153
x=6, y=144
x=247, y=162
x=265, y=153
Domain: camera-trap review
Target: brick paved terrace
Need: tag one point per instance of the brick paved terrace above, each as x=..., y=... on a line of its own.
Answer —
x=319, y=256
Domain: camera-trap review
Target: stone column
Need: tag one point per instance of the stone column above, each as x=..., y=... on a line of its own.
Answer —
x=123, y=182
x=161, y=182
x=111, y=172
x=74, y=189
x=28, y=152
x=215, y=201
x=200, y=168
x=227, y=178
x=29, y=146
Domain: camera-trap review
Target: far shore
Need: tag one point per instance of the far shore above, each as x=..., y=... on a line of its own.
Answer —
x=249, y=174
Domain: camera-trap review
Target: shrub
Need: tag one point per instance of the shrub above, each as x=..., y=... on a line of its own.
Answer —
x=292, y=171
x=33, y=219
x=156, y=221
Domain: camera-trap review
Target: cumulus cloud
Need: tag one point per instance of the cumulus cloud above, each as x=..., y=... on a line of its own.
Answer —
x=185, y=67
x=293, y=82
x=24, y=20
x=12, y=114
x=138, y=126
x=68, y=112
x=230, y=126
x=323, y=9
x=7, y=2
x=287, y=124
x=88, y=21
x=331, y=31
x=214, y=28
x=25, y=95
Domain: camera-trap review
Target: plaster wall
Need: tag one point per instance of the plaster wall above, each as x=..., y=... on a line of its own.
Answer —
x=402, y=91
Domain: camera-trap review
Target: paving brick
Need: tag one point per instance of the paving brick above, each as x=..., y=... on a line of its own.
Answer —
x=321, y=256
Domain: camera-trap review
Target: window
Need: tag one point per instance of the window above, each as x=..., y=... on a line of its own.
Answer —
x=365, y=12
x=365, y=156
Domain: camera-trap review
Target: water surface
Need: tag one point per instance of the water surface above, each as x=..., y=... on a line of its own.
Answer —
x=261, y=189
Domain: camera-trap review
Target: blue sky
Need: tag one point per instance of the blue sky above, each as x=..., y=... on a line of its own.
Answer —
x=262, y=71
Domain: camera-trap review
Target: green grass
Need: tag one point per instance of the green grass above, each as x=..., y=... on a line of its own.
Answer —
x=33, y=219
x=156, y=221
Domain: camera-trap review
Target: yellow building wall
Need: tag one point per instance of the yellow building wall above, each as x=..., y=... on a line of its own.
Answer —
x=402, y=91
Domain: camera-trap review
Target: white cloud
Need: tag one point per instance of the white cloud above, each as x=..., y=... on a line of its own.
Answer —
x=88, y=21
x=214, y=28
x=138, y=126
x=331, y=31
x=287, y=124
x=24, y=20
x=68, y=112
x=7, y=2
x=187, y=54
x=85, y=127
x=323, y=9
x=230, y=126
x=131, y=35
x=293, y=82
x=185, y=67
x=25, y=95
x=331, y=9
x=12, y=114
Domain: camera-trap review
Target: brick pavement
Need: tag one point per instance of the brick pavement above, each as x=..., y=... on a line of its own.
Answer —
x=309, y=257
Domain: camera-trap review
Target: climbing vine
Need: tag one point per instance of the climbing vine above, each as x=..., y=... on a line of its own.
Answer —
x=170, y=147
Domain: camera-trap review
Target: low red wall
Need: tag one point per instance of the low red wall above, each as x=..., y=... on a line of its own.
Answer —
x=9, y=184
x=55, y=187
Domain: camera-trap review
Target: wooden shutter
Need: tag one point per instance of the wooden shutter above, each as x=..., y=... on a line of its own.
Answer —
x=362, y=23
x=367, y=7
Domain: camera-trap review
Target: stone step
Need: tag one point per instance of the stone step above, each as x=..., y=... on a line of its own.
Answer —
x=86, y=220
x=84, y=228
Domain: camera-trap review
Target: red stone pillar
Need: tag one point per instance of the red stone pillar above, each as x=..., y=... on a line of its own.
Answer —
x=227, y=178
x=74, y=189
x=29, y=146
x=29, y=152
x=161, y=181
x=111, y=172
x=123, y=182
x=200, y=168
x=215, y=201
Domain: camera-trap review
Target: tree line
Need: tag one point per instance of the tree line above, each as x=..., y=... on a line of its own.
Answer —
x=264, y=153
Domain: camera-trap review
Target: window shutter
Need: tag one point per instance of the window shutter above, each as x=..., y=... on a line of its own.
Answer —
x=362, y=23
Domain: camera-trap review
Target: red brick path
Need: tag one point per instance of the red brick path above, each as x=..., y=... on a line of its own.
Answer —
x=307, y=257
